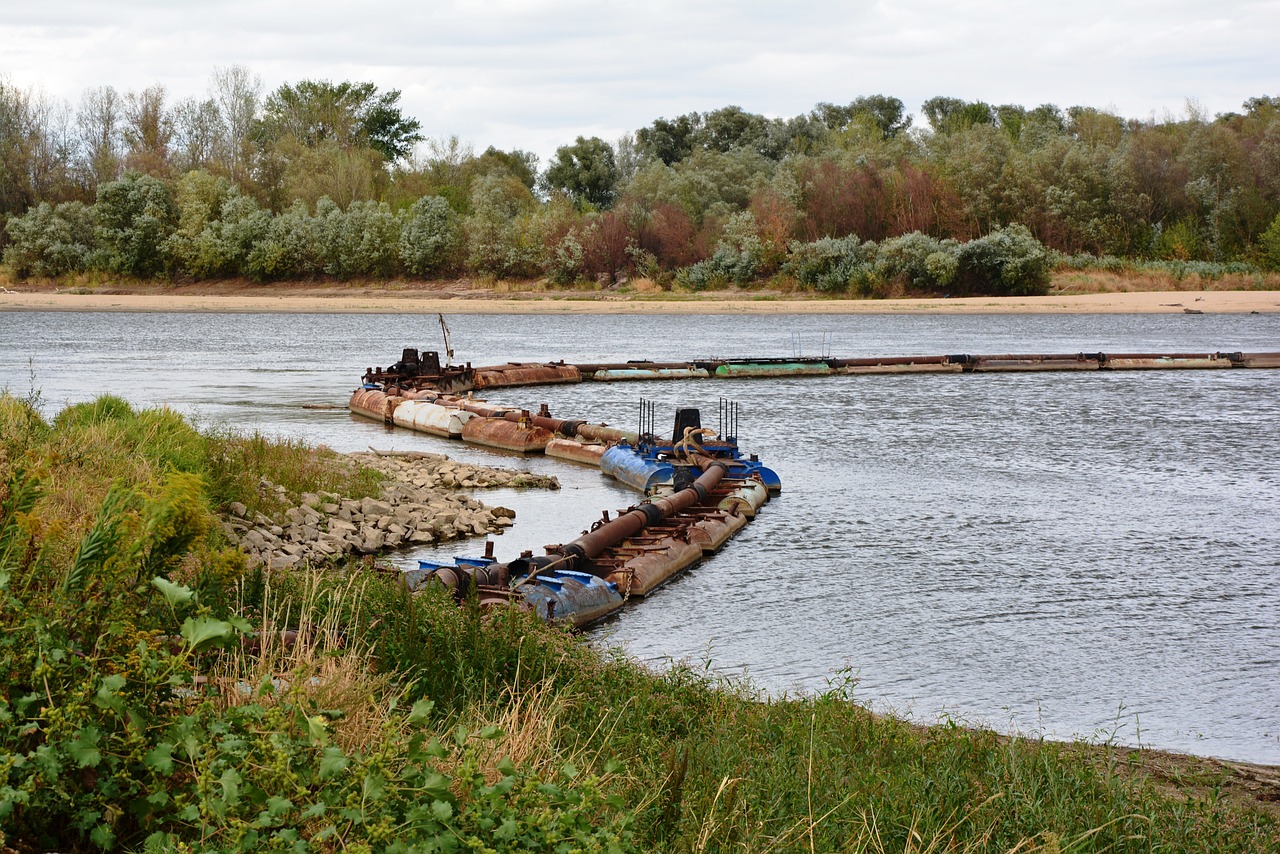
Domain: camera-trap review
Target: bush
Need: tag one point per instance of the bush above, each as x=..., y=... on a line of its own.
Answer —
x=431, y=237
x=51, y=241
x=223, y=245
x=833, y=264
x=135, y=217
x=920, y=260
x=1007, y=262
x=293, y=248
x=1269, y=246
x=503, y=233
x=737, y=259
x=563, y=263
x=363, y=240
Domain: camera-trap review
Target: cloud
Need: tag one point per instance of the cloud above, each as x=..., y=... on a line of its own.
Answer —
x=536, y=73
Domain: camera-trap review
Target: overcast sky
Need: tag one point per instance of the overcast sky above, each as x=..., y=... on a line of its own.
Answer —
x=534, y=74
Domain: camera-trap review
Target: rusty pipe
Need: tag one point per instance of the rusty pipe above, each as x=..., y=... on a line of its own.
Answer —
x=594, y=543
x=560, y=426
x=601, y=433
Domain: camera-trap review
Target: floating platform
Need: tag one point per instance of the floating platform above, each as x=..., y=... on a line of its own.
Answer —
x=423, y=372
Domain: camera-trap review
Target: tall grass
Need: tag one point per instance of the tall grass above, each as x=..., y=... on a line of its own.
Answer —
x=219, y=709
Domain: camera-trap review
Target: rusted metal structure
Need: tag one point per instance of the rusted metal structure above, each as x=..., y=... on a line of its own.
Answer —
x=422, y=372
x=628, y=556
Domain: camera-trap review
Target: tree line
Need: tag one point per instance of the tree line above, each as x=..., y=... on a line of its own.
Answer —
x=319, y=179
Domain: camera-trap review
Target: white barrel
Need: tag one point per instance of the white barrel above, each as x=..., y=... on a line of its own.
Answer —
x=431, y=418
x=746, y=499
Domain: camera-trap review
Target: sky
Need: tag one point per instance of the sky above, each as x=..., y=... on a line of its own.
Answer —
x=535, y=74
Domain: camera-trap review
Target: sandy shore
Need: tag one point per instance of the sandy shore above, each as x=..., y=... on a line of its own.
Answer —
x=372, y=301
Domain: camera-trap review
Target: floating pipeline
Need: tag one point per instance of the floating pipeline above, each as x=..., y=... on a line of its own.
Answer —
x=424, y=372
x=585, y=580
x=685, y=518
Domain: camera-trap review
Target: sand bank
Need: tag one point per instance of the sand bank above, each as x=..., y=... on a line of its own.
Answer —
x=369, y=301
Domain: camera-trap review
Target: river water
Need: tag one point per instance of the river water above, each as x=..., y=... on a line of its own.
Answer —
x=1090, y=555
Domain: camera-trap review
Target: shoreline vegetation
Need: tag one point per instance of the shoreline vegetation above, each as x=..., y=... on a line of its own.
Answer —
x=1073, y=293
x=161, y=689
x=319, y=180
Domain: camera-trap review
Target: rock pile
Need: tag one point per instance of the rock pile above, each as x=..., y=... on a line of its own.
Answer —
x=417, y=506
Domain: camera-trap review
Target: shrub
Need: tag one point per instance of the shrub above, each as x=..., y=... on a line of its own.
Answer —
x=918, y=259
x=1007, y=262
x=363, y=240
x=293, y=247
x=1269, y=246
x=833, y=264
x=431, y=236
x=605, y=240
x=223, y=246
x=51, y=241
x=135, y=217
x=737, y=259
x=502, y=232
x=1181, y=241
x=563, y=263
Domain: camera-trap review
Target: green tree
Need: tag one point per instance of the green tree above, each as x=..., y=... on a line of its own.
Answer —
x=669, y=140
x=886, y=114
x=501, y=234
x=1269, y=246
x=431, y=236
x=293, y=247
x=51, y=241
x=135, y=216
x=949, y=115
x=522, y=164
x=363, y=240
x=351, y=114
x=585, y=171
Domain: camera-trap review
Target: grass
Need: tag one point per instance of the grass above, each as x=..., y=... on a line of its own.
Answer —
x=1068, y=281
x=340, y=693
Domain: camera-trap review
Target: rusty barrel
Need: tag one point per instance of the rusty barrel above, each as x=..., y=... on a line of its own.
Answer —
x=522, y=374
x=375, y=404
x=746, y=498
x=507, y=435
x=1162, y=361
x=1078, y=362
x=611, y=534
x=636, y=373
x=1255, y=360
x=578, y=452
x=714, y=528
x=654, y=564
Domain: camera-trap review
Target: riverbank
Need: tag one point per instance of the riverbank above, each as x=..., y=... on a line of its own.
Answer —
x=475, y=298
x=232, y=705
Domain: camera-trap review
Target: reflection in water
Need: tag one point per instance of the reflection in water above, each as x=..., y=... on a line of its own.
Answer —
x=1065, y=553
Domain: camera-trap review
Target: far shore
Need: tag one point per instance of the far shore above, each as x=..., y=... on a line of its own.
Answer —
x=388, y=299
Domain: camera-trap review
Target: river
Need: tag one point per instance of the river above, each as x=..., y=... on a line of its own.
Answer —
x=1070, y=555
